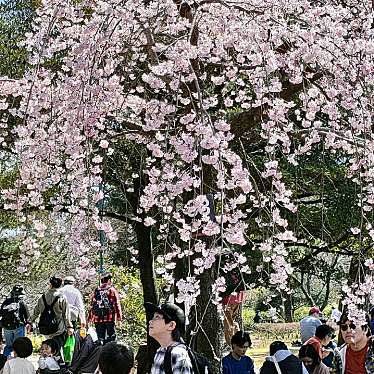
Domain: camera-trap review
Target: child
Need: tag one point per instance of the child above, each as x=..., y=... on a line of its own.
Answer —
x=116, y=359
x=49, y=361
x=22, y=348
x=2, y=362
x=237, y=362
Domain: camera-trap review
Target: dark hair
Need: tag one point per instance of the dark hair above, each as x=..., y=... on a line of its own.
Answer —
x=105, y=278
x=116, y=359
x=3, y=360
x=53, y=344
x=240, y=338
x=322, y=331
x=55, y=282
x=176, y=334
x=344, y=318
x=308, y=350
x=22, y=347
x=277, y=346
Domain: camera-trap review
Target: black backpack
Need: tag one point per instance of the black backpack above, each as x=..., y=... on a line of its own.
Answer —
x=101, y=305
x=48, y=323
x=200, y=364
x=10, y=318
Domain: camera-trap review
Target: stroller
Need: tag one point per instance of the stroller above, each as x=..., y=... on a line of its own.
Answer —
x=86, y=355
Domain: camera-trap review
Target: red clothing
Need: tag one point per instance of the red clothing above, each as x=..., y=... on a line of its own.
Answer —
x=115, y=314
x=316, y=343
x=234, y=299
x=355, y=361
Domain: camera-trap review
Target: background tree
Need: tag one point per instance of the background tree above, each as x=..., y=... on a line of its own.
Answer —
x=155, y=106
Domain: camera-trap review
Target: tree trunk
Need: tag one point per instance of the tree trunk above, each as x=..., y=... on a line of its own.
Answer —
x=146, y=353
x=209, y=337
x=288, y=315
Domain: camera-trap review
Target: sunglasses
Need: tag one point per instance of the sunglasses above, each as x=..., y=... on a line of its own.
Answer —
x=344, y=327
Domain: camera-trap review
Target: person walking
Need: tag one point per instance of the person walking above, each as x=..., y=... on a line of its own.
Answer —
x=105, y=310
x=309, y=324
x=75, y=301
x=53, y=311
x=14, y=316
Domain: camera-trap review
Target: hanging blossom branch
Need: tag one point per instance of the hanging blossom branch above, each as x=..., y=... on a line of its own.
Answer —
x=172, y=77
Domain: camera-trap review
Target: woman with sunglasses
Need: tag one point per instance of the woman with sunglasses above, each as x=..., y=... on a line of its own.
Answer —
x=356, y=355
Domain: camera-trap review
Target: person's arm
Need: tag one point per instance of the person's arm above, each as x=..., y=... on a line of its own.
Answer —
x=42, y=362
x=66, y=312
x=90, y=317
x=37, y=310
x=81, y=310
x=117, y=305
x=25, y=312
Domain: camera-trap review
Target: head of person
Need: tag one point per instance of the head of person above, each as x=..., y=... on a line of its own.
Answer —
x=3, y=360
x=69, y=280
x=168, y=319
x=240, y=342
x=324, y=334
x=49, y=347
x=55, y=281
x=106, y=278
x=277, y=346
x=353, y=334
x=309, y=356
x=17, y=291
x=116, y=359
x=22, y=347
x=314, y=311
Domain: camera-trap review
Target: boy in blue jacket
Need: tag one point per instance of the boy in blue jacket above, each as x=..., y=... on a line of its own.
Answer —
x=236, y=362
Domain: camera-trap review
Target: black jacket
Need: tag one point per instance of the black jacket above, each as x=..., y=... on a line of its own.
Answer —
x=290, y=365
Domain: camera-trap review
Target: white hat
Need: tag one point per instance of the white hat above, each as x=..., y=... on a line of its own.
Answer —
x=69, y=279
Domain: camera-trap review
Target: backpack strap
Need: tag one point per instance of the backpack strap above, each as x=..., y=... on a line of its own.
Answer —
x=167, y=365
x=276, y=365
x=57, y=298
x=46, y=305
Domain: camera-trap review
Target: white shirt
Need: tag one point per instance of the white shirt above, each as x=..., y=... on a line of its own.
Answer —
x=18, y=365
x=75, y=300
x=48, y=363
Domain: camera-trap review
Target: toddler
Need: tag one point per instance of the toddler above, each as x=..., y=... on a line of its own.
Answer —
x=49, y=360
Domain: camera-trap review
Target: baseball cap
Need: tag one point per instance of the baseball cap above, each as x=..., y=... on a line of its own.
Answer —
x=17, y=290
x=170, y=311
x=314, y=309
x=69, y=279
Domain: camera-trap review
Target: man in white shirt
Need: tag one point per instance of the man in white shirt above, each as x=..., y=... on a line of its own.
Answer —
x=75, y=300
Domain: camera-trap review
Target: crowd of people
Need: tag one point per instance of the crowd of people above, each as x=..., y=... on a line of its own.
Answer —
x=60, y=314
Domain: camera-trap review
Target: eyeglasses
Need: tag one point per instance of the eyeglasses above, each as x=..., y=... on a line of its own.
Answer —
x=344, y=327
